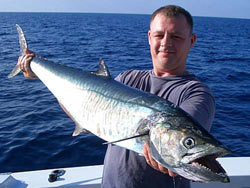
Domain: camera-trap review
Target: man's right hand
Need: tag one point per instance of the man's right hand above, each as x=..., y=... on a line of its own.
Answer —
x=24, y=64
x=153, y=163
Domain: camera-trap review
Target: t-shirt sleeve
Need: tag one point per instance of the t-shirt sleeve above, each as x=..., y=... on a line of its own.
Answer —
x=126, y=77
x=200, y=104
x=118, y=77
x=121, y=77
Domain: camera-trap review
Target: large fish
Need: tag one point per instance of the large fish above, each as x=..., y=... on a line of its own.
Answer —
x=129, y=117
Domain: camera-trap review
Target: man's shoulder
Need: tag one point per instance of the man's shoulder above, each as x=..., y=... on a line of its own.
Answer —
x=197, y=85
x=131, y=75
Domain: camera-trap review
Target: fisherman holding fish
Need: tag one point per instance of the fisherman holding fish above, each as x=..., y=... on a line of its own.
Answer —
x=170, y=38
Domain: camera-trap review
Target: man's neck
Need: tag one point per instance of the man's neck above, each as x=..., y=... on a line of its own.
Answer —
x=170, y=73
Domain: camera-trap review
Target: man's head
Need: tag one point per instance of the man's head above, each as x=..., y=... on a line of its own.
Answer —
x=170, y=39
x=172, y=11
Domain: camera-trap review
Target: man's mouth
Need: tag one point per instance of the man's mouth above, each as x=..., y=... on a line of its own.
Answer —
x=166, y=51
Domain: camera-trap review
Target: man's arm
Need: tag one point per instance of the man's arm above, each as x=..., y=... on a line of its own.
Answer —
x=200, y=105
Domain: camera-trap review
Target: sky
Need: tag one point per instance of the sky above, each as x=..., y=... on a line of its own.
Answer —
x=210, y=8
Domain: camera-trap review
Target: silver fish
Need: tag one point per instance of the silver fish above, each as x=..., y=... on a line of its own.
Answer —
x=129, y=117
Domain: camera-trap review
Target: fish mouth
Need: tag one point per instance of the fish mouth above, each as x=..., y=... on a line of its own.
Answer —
x=207, y=167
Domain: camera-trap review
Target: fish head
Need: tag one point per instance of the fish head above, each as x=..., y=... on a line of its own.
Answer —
x=188, y=150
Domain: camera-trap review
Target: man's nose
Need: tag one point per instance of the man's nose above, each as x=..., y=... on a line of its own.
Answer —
x=166, y=41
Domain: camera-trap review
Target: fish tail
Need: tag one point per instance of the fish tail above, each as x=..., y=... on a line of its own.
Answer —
x=23, y=47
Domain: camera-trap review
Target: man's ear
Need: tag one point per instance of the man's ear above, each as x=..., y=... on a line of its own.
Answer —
x=149, y=38
x=193, y=39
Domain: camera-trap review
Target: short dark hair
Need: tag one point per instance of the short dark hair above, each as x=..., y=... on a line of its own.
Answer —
x=172, y=11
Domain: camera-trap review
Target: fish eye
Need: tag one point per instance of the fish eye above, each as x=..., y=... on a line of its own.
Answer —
x=189, y=142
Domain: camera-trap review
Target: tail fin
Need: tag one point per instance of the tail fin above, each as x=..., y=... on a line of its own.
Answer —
x=23, y=47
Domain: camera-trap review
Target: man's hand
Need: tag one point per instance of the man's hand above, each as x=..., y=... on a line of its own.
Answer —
x=24, y=64
x=154, y=164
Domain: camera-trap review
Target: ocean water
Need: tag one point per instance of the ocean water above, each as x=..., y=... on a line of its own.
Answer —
x=36, y=134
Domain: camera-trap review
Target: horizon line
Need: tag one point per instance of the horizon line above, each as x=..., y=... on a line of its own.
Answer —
x=129, y=13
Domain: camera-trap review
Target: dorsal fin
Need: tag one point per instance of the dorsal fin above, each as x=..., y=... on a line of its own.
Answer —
x=102, y=69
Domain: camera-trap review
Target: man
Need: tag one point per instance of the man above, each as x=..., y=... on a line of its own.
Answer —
x=170, y=39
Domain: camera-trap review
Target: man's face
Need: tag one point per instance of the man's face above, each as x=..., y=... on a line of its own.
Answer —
x=170, y=40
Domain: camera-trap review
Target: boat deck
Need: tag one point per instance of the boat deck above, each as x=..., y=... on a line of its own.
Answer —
x=238, y=168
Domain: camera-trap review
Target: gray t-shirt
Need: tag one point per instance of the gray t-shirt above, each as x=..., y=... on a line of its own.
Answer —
x=126, y=169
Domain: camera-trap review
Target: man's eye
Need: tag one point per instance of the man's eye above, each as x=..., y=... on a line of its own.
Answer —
x=158, y=36
x=176, y=37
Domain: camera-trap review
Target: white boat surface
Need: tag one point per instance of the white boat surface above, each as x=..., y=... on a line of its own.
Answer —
x=238, y=169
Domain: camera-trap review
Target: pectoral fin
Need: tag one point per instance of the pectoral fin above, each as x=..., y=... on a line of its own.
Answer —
x=128, y=138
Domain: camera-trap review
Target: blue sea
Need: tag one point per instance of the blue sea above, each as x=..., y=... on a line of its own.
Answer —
x=36, y=134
